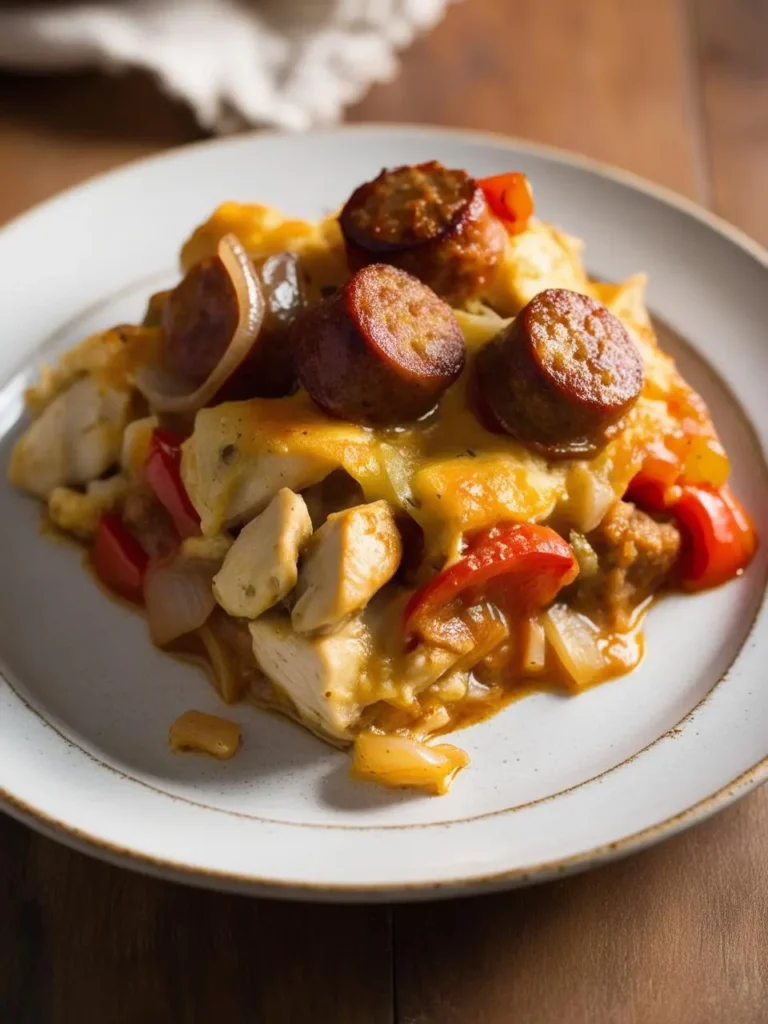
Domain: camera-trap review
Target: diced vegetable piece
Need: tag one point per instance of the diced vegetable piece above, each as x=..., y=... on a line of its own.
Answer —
x=574, y=641
x=520, y=565
x=510, y=197
x=178, y=594
x=720, y=539
x=163, y=474
x=534, y=645
x=200, y=733
x=398, y=761
x=119, y=560
x=648, y=492
x=705, y=462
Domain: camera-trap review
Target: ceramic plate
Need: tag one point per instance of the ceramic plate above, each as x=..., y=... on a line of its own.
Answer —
x=555, y=783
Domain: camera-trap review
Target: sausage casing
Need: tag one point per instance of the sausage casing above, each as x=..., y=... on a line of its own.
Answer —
x=433, y=222
x=562, y=376
x=199, y=318
x=380, y=350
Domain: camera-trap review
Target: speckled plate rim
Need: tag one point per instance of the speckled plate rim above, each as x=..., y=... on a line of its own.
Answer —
x=467, y=883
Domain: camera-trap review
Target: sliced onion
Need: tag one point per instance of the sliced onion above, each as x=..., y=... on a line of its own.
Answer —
x=179, y=598
x=166, y=391
x=590, y=498
x=574, y=640
x=398, y=761
x=229, y=683
x=534, y=645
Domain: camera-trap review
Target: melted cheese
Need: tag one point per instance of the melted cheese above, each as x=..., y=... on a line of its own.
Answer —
x=449, y=473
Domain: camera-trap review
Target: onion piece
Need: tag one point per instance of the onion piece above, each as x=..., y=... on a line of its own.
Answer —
x=398, y=761
x=178, y=596
x=534, y=645
x=167, y=392
x=228, y=682
x=574, y=640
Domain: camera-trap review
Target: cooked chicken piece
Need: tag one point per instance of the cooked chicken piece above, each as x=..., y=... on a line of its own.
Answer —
x=538, y=258
x=78, y=512
x=320, y=675
x=135, y=448
x=241, y=453
x=348, y=559
x=231, y=485
x=260, y=568
x=101, y=356
x=76, y=438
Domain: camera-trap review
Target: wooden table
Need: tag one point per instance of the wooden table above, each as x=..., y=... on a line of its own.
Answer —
x=676, y=91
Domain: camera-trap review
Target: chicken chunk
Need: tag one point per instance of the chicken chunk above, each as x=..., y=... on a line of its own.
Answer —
x=76, y=438
x=260, y=568
x=538, y=258
x=241, y=453
x=79, y=512
x=348, y=560
x=320, y=675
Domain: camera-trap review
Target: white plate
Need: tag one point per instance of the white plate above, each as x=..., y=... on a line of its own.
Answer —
x=555, y=783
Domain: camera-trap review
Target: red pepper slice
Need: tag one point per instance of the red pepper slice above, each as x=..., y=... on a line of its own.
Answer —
x=519, y=564
x=119, y=560
x=647, y=492
x=510, y=197
x=163, y=474
x=720, y=539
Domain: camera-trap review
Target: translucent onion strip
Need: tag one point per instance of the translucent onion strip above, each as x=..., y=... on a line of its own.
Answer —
x=398, y=761
x=179, y=599
x=575, y=642
x=167, y=392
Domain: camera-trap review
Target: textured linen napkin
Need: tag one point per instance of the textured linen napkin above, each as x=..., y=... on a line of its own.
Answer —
x=286, y=63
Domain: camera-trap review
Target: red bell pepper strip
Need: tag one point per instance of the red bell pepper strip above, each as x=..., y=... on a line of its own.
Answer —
x=119, y=560
x=163, y=474
x=719, y=538
x=522, y=565
x=510, y=197
x=647, y=492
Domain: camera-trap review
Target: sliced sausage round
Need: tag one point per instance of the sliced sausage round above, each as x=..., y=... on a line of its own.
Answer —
x=198, y=319
x=381, y=350
x=268, y=370
x=430, y=221
x=562, y=376
x=200, y=315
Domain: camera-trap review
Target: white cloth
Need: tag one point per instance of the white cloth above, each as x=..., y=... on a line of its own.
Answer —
x=286, y=63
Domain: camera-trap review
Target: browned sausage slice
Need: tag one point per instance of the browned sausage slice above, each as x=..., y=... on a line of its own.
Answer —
x=381, y=350
x=430, y=221
x=199, y=318
x=562, y=376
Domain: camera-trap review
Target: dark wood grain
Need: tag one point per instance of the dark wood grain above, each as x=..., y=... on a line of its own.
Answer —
x=673, y=90
x=675, y=935
x=84, y=942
